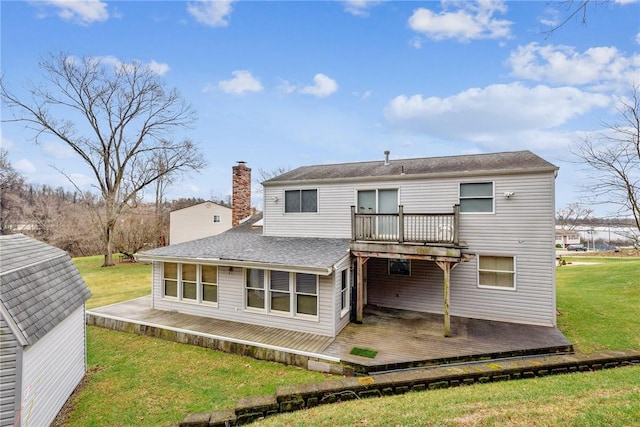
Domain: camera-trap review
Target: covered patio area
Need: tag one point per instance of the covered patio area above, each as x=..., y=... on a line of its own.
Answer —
x=401, y=339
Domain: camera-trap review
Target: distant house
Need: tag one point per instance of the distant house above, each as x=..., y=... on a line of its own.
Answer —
x=198, y=221
x=567, y=237
x=42, y=330
x=470, y=236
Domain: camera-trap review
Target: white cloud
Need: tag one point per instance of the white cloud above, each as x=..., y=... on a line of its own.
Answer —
x=5, y=143
x=155, y=67
x=466, y=21
x=563, y=65
x=485, y=114
x=361, y=7
x=158, y=68
x=638, y=38
x=241, y=82
x=323, y=86
x=24, y=166
x=213, y=13
x=82, y=12
x=58, y=150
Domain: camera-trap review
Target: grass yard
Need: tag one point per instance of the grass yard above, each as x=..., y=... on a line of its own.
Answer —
x=602, y=398
x=109, y=285
x=598, y=303
x=143, y=381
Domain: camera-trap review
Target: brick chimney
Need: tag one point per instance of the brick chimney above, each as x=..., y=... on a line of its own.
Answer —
x=241, y=197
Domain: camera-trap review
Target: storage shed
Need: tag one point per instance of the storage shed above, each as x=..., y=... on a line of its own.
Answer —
x=42, y=330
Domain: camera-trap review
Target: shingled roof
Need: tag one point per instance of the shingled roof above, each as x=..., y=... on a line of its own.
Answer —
x=245, y=244
x=476, y=164
x=39, y=286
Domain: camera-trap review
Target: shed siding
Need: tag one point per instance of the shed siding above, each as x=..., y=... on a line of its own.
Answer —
x=52, y=368
x=9, y=348
x=521, y=226
x=231, y=304
x=196, y=222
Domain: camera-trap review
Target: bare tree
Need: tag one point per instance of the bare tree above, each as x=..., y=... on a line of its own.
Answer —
x=614, y=155
x=11, y=185
x=572, y=215
x=118, y=119
x=575, y=9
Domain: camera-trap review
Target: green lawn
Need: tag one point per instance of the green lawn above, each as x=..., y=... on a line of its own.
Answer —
x=109, y=285
x=143, y=381
x=598, y=303
x=603, y=398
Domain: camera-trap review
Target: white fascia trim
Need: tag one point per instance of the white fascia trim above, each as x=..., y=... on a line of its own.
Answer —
x=12, y=325
x=321, y=271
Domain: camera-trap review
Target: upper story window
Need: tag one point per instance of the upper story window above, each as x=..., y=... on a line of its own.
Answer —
x=301, y=201
x=476, y=197
x=497, y=271
x=216, y=218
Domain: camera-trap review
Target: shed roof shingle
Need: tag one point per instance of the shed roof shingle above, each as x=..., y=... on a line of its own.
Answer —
x=39, y=285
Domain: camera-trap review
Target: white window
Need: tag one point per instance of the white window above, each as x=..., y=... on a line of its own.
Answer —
x=344, y=292
x=216, y=218
x=170, y=280
x=497, y=272
x=286, y=293
x=254, y=285
x=193, y=283
x=280, y=291
x=209, y=284
x=300, y=201
x=476, y=197
x=189, y=282
x=306, y=294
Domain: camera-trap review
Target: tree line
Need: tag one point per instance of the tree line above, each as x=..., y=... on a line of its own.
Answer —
x=61, y=217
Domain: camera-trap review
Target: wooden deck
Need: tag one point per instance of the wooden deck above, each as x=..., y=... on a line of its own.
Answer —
x=402, y=339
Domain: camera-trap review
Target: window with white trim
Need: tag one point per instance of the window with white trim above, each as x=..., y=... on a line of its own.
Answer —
x=476, y=197
x=344, y=292
x=254, y=286
x=300, y=201
x=193, y=283
x=170, y=279
x=216, y=218
x=279, y=291
x=306, y=294
x=209, y=283
x=285, y=292
x=497, y=271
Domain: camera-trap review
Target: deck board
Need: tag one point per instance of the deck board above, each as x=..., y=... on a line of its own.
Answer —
x=401, y=338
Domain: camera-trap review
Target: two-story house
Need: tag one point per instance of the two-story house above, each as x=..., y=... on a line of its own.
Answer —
x=470, y=236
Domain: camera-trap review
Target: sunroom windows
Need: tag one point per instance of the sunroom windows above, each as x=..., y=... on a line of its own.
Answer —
x=281, y=292
x=194, y=283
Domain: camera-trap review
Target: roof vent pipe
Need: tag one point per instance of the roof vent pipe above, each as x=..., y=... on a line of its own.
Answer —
x=386, y=157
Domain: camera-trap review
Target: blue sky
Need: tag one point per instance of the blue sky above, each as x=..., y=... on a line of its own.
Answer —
x=286, y=84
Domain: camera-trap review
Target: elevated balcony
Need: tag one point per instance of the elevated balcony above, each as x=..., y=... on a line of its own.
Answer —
x=406, y=228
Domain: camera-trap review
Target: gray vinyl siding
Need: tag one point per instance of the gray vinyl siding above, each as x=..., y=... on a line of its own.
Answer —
x=231, y=304
x=341, y=320
x=521, y=226
x=9, y=348
x=52, y=368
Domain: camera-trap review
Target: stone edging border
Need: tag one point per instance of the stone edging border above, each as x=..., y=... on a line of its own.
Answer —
x=297, y=397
